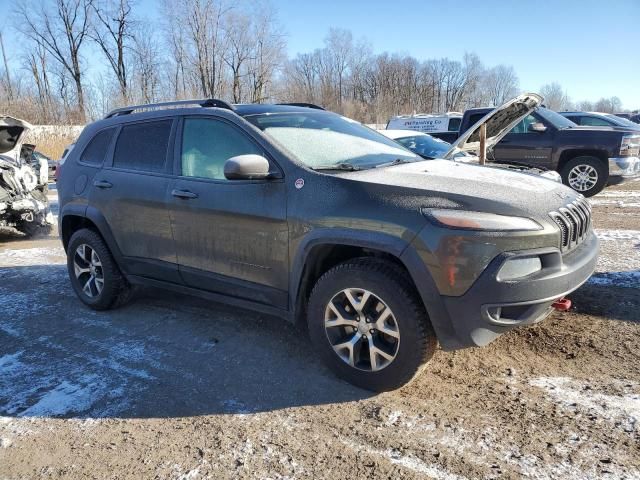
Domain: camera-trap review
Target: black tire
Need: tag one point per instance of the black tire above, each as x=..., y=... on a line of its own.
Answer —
x=116, y=290
x=417, y=340
x=586, y=162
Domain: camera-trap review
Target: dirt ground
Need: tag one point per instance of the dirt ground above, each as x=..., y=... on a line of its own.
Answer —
x=174, y=387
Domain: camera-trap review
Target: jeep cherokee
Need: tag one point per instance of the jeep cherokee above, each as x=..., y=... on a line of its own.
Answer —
x=295, y=211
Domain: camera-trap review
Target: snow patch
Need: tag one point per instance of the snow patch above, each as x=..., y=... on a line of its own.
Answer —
x=68, y=397
x=409, y=462
x=26, y=257
x=616, y=235
x=623, y=410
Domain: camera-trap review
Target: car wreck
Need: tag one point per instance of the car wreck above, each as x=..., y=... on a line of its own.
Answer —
x=23, y=188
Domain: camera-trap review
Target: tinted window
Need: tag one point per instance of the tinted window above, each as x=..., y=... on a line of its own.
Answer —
x=595, y=122
x=143, y=146
x=207, y=144
x=454, y=124
x=95, y=152
x=523, y=125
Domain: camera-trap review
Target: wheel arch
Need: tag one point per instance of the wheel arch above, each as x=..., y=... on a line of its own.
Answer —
x=570, y=154
x=74, y=219
x=319, y=253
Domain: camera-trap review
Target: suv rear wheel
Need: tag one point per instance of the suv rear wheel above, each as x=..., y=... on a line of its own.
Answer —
x=94, y=275
x=585, y=174
x=369, y=325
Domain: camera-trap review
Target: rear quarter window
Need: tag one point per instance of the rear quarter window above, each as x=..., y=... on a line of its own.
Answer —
x=143, y=146
x=96, y=151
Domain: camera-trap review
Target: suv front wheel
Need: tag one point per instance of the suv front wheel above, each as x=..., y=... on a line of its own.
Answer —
x=94, y=275
x=369, y=325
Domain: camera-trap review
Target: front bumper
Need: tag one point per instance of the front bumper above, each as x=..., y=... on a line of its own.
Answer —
x=623, y=168
x=492, y=307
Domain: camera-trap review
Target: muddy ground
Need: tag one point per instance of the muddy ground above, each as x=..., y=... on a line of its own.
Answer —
x=174, y=387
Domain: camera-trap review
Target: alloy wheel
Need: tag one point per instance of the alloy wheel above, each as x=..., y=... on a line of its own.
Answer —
x=362, y=329
x=583, y=177
x=88, y=270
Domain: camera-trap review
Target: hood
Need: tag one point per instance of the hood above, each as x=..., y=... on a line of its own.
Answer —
x=12, y=132
x=499, y=122
x=465, y=186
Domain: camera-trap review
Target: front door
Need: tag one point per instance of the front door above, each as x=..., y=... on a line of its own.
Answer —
x=523, y=145
x=231, y=235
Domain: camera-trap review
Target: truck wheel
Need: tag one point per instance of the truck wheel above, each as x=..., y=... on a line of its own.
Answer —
x=368, y=324
x=94, y=275
x=585, y=174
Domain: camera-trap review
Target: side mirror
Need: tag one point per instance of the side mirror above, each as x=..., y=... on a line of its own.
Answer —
x=537, y=127
x=246, y=167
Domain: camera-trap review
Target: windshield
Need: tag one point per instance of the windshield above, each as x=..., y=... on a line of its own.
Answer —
x=425, y=145
x=555, y=119
x=323, y=139
x=623, y=122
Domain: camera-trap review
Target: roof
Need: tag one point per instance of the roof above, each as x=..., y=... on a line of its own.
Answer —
x=243, y=109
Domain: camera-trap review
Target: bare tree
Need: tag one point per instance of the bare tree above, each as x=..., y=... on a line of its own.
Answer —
x=148, y=63
x=499, y=83
x=112, y=33
x=555, y=97
x=61, y=31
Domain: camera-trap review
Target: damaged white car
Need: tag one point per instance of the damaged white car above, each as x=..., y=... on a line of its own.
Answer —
x=23, y=197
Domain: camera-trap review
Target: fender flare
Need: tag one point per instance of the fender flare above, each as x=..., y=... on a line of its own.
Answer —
x=402, y=249
x=97, y=218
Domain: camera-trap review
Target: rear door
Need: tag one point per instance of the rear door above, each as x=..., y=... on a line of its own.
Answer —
x=522, y=145
x=131, y=192
x=231, y=235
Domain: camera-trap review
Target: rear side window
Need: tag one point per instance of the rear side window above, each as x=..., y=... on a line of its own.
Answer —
x=143, y=146
x=96, y=151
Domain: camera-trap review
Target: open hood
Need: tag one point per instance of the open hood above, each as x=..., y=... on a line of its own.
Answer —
x=499, y=122
x=12, y=131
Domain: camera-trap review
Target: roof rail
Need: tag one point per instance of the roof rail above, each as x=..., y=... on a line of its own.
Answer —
x=301, y=104
x=205, y=103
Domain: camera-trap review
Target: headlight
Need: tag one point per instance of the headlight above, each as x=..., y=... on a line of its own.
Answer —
x=630, y=145
x=519, y=267
x=465, y=220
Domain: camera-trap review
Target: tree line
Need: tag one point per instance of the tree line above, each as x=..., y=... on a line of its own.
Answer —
x=82, y=58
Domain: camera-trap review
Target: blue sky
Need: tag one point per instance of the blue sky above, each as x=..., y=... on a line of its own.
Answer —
x=592, y=48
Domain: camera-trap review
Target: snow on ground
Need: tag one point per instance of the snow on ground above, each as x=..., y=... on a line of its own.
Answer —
x=619, y=260
x=622, y=410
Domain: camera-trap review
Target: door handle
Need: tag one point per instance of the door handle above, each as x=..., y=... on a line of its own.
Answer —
x=102, y=184
x=184, y=194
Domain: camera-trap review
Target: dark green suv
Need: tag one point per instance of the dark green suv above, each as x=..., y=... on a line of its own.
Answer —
x=308, y=215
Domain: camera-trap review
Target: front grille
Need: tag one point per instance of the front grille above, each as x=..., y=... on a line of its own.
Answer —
x=574, y=221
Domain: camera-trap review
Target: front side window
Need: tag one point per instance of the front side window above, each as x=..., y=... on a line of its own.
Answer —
x=143, y=146
x=207, y=144
x=523, y=125
x=325, y=140
x=96, y=151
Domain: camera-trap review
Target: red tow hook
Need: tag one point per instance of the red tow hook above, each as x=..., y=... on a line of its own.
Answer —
x=563, y=304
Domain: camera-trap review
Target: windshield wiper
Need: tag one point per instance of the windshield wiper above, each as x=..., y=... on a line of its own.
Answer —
x=349, y=167
x=397, y=161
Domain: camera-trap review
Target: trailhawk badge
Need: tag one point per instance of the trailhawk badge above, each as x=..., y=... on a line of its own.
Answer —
x=299, y=183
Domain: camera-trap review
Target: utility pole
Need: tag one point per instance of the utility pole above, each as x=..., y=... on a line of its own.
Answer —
x=6, y=69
